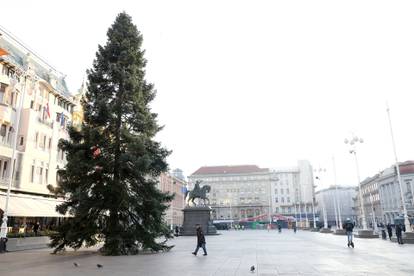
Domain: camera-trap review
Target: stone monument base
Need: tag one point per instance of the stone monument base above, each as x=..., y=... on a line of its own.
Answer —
x=366, y=234
x=341, y=232
x=197, y=215
x=325, y=230
x=314, y=229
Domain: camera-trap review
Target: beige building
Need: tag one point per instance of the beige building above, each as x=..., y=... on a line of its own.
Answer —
x=35, y=110
x=248, y=192
x=173, y=184
x=237, y=192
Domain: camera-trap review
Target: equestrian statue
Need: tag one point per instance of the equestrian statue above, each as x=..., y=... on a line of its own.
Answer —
x=198, y=192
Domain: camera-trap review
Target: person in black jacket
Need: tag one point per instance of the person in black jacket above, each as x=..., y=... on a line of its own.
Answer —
x=389, y=230
x=201, y=241
x=398, y=232
x=349, y=228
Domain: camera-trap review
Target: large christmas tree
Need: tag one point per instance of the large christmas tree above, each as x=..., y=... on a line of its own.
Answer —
x=113, y=161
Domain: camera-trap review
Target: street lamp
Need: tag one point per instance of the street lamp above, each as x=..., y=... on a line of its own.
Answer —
x=336, y=198
x=353, y=141
x=397, y=167
x=374, y=221
x=325, y=228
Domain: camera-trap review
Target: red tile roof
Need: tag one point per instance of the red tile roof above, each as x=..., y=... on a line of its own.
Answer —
x=229, y=169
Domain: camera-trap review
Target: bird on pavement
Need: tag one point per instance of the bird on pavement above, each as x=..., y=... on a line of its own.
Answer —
x=99, y=265
x=75, y=264
x=252, y=268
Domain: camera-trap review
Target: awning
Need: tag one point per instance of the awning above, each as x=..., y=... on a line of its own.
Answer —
x=30, y=206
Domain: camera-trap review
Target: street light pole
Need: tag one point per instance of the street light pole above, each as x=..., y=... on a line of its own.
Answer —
x=338, y=208
x=313, y=211
x=353, y=142
x=374, y=221
x=397, y=167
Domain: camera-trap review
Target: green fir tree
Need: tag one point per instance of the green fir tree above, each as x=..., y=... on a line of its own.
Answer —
x=110, y=180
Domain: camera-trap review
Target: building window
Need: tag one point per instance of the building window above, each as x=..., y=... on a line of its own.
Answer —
x=276, y=199
x=281, y=191
x=282, y=200
x=288, y=199
x=36, y=139
x=50, y=143
x=21, y=141
x=275, y=191
x=46, y=176
x=2, y=92
x=32, y=174
x=4, y=173
x=40, y=175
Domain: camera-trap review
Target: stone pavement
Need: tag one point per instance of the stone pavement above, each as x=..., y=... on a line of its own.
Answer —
x=232, y=253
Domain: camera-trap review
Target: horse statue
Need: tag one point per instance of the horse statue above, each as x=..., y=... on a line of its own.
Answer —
x=198, y=192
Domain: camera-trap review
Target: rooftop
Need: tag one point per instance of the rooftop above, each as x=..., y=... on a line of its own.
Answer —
x=239, y=169
x=17, y=53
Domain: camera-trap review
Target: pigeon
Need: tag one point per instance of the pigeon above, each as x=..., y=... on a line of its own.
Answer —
x=252, y=268
x=75, y=264
x=99, y=265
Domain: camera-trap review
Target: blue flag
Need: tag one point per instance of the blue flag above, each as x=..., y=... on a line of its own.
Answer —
x=184, y=189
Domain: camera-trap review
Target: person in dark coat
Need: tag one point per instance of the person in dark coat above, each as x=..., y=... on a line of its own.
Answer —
x=398, y=232
x=349, y=228
x=389, y=230
x=201, y=241
x=177, y=230
x=36, y=227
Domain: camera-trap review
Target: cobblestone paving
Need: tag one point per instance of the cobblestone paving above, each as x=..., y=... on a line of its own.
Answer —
x=232, y=253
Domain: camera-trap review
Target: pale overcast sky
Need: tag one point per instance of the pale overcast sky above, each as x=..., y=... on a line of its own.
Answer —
x=253, y=82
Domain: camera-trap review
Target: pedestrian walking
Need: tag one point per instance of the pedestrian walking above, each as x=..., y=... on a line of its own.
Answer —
x=389, y=230
x=36, y=227
x=279, y=227
x=398, y=232
x=201, y=241
x=177, y=230
x=349, y=228
x=294, y=227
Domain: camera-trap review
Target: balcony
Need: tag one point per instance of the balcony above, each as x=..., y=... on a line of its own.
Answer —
x=4, y=182
x=45, y=122
x=6, y=113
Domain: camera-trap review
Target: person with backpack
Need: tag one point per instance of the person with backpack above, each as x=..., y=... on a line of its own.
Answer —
x=349, y=228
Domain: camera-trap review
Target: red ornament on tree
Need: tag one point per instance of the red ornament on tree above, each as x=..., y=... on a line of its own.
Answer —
x=96, y=152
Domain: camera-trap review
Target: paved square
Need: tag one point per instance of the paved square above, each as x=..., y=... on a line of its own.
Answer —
x=232, y=253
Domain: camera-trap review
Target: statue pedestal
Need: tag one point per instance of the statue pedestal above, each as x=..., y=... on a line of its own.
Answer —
x=197, y=215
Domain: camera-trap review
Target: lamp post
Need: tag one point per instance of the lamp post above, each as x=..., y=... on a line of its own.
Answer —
x=374, y=221
x=338, y=208
x=353, y=141
x=397, y=167
x=313, y=210
x=325, y=228
x=272, y=178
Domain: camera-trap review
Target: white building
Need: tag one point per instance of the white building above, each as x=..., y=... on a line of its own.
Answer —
x=35, y=110
x=249, y=192
x=292, y=191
